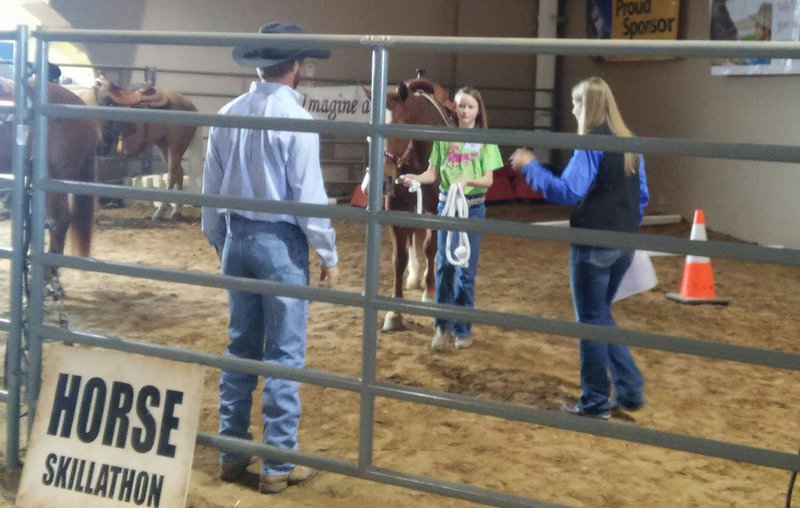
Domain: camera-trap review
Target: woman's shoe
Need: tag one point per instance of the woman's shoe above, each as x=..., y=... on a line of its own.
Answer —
x=627, y=406
x=576, y=409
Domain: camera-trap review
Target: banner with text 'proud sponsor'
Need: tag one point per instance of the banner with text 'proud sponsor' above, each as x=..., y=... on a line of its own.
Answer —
x=633, y=20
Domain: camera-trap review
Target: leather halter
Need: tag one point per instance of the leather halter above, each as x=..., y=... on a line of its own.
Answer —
x=401, y=161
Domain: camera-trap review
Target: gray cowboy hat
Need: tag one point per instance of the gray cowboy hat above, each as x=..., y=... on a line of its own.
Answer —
x=259, y=56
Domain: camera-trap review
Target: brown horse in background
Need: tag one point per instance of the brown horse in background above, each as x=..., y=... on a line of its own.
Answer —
x=423, y=103
x=71, y=147
x=172, y=141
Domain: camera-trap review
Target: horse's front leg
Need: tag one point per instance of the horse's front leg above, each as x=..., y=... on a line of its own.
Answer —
x=430, y=248
x=394, y=320
x=58, y=213
x=415, y=249
x=174, y=179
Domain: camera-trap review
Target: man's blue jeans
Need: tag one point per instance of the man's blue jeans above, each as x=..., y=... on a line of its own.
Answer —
x=264, y=327
x=455, y=285
x=595, y=275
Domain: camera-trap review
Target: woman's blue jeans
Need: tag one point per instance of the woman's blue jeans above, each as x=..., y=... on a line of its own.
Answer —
x=595, y=275
x=456, y=285
x=265, y=328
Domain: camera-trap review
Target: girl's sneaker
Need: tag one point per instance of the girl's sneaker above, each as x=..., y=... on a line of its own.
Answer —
x=440, y=340
x=463, y=342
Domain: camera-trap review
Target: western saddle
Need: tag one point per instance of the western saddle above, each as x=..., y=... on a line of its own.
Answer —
x=143, y=95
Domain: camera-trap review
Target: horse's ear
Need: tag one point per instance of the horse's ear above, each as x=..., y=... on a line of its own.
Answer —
x=367, y=91
x=402, y=91
x=442, y=96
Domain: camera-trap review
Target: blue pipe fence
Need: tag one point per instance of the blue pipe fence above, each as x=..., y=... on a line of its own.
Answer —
x=375, y=218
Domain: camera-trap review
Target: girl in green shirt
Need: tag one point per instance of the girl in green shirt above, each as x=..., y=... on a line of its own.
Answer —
x=469, y=165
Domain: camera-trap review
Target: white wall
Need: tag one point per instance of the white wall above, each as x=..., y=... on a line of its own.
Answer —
x=753, y=201
x=510, y=18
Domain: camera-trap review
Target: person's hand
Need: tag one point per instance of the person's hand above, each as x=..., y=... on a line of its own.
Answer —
x=463, y=182
x=521, y=158
x=329, y=276
x=406, y=180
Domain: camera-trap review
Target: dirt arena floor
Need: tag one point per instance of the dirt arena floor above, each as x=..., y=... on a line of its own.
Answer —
x=721, y=400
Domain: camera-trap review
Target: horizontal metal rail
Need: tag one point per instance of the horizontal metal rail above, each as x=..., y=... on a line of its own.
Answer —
x=710, y=248
x=656, y=341
x=5, y=253
x=433, y=486
x=250, y=75
x=490, y=106
x=743, y=151
x=509, y=45
x=5, y=325
x=226, y=362
x=555, y=419
x=4, y=396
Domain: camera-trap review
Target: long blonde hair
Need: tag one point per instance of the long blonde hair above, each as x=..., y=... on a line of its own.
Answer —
x=599, y=107
x=482, y=120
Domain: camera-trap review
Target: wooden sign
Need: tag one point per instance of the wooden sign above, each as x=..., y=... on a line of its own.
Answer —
x=111, y=429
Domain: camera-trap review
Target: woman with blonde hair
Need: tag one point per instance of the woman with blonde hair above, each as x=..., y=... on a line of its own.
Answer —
x=609, y=192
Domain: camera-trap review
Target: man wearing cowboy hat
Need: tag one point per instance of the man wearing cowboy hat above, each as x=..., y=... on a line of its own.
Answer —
x=274, y=166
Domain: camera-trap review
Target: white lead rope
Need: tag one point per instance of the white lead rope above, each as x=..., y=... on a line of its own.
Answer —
x=417, y=187
x=456, y=206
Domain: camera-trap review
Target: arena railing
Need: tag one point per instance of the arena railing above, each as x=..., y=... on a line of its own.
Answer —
x=17, y=254
x=367, y=386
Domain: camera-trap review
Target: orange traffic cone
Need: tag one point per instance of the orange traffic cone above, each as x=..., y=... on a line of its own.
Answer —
x=697, y=285
x=359, y=197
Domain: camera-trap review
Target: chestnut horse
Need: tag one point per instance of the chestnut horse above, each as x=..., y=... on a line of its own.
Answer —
x=71, y=147
x=418, y=102
x=172, y=141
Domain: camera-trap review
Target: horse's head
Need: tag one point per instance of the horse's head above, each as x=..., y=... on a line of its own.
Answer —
x=6, y=90
x=417, y=102
x=6, y=125
x=398, y=151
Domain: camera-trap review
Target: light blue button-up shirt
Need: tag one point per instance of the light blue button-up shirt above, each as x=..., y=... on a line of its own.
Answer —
x=268, y=165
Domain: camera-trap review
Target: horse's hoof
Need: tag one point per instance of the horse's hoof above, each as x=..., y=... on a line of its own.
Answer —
x=413, y=283
x=54, y=290
x=393, y=322
x=427, y=298
x=159, y=213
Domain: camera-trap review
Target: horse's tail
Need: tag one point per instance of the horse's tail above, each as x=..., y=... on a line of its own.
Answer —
x=195, y=155
x=82, y=212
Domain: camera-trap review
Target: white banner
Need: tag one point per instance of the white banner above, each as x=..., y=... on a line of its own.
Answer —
x=111, y=429
x=338, y=103
x=755, y=20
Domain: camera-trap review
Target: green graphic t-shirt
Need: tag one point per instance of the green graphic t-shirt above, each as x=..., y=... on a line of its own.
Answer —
x=456, y=159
